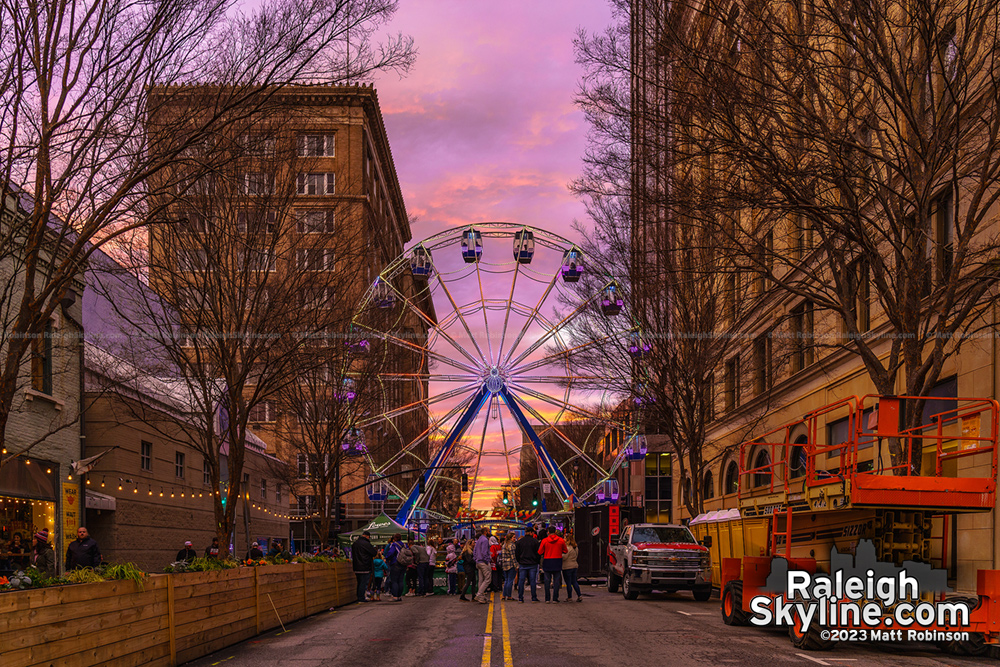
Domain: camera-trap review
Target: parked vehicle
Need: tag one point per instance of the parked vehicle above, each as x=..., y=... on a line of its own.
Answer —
x=664, y=557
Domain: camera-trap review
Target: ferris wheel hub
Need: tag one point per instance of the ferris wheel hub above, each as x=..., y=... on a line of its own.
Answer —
x=495, y=379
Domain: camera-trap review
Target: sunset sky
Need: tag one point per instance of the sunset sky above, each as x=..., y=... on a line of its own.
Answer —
x=484, y=128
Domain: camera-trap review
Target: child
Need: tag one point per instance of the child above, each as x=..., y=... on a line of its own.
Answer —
x=378, y=573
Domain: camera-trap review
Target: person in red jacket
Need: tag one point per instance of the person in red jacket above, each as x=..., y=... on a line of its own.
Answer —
x=552, y=549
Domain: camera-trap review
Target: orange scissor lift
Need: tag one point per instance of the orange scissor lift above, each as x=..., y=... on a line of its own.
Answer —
x=805, y=496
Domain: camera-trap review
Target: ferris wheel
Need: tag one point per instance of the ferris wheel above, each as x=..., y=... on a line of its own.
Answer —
x=478, y=323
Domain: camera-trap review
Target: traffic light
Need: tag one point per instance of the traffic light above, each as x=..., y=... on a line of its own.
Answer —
x=341, y=510
x=534, y=499
x=422, y=484
x=506, y=498
x=465, y=482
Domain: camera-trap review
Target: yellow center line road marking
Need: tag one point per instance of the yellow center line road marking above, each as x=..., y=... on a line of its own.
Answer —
x=488, y=639
x=508, y=661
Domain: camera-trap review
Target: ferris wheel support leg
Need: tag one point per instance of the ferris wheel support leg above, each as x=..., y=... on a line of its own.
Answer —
x=413, y=500
x=548, y=463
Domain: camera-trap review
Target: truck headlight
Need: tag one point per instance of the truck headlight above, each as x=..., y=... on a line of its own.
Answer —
x=639, y=557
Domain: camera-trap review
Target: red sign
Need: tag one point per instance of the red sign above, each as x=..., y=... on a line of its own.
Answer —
x=613, y=519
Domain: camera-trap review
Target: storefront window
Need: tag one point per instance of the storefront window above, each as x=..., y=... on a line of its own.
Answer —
x=21, y=517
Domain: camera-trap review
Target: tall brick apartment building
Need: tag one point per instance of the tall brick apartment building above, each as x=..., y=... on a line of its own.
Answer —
x=317, y=172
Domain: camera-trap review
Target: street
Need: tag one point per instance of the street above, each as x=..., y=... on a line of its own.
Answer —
x=604, y=629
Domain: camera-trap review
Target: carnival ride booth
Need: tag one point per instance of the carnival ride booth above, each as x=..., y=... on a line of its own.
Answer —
x=27, y=505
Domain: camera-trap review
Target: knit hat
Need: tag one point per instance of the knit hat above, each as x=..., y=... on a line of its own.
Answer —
x=42, y=535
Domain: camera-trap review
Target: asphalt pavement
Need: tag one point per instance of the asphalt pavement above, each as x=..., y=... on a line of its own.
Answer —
x=603, y=630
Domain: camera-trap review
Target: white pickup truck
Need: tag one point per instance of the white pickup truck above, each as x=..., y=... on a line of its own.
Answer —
x=664, y=557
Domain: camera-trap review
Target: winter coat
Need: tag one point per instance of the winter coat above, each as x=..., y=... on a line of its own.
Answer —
x=451, y=560
x=363, y=555
x=45, y=561
x=83, y=553
x=569, y=558
x=526, y=551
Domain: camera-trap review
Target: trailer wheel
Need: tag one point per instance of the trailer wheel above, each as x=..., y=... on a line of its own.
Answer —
x=808, y=640
x=613, y=580
x=976, y=644
x=628, y=590
x=732, y=603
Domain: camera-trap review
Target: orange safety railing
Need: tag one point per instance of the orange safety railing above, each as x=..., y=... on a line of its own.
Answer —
x=973, y=423
x=966, y=411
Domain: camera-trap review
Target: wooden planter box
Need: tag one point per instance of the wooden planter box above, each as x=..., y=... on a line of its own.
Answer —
x=173, y=619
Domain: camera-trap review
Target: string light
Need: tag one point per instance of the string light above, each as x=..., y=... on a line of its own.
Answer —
x=150, y=489
x=102, y=483
x=161, y=491
x=120, y=480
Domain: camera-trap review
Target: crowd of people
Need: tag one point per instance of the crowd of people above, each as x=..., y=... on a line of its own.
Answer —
x=474, y=567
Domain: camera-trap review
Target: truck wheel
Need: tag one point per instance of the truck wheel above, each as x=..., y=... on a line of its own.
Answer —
x=702, y=594
x=732, y=603
x=628, y=590
x=613, y=580
x=808, y=640
x=975, y=645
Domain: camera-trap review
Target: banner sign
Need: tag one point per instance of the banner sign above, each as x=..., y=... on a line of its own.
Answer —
x=501, y=513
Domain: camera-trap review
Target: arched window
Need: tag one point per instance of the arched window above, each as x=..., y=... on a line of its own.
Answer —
x=687, y=490
x=732, y=478
x=797, y=459
x=762, y=477
x=708, y=486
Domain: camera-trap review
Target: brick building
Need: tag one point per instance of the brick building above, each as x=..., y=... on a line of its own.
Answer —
x=319, y=162
x=43, y=431
x=149, y=492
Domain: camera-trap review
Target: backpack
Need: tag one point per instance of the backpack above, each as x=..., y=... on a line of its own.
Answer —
x=405, y=557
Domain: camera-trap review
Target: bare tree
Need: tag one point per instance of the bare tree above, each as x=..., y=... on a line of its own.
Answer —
x=335, y=390
x=864, y=136
x=76, y=121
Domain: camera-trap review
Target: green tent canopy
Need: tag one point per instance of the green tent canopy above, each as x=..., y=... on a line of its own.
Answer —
x=382, y=528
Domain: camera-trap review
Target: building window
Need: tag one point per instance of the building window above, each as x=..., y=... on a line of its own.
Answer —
x=315, y=222
x=179, y=465
x=257, y=259
x=145, y=455
x=797, y=459
x=659, y=487
x=317, y=145
x=732, y=479
x=206, y=473
x=317, y=297
x=192, y=260
x=259, y=146
x=41, y=362
x=801, y=324
x=760, y=463
x=315, y=259
x=306, y=504
x=256, y=222
x=262, y=413
x=263, y=489
x=303, y=464
x=323, y=183
x=859, y=291
x=732, y=380
x=943, y=234
x=708, y=486
x=762, y=364
x=256, y=183
x=277, y=493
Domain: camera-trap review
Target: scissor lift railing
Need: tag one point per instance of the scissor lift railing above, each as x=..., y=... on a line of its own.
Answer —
x=834, y=470
x=969, y=429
